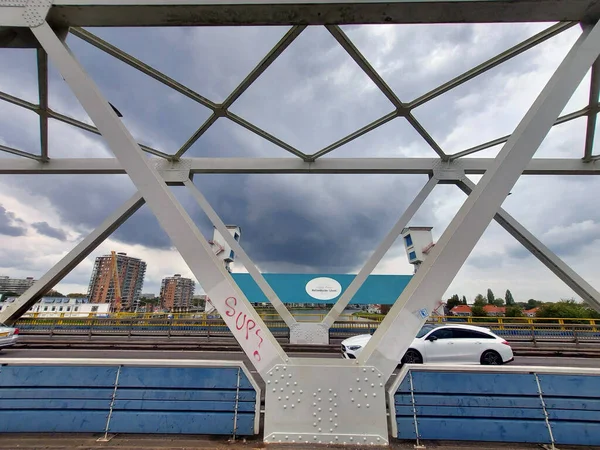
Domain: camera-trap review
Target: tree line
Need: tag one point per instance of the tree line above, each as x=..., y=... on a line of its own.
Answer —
x=567, y=308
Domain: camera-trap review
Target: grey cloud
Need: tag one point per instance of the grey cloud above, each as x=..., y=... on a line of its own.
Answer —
x=487, y=261
x=46, y=229
x=11, y=225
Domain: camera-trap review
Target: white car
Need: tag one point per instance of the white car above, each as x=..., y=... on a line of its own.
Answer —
x=456, y=344
x=8, y=336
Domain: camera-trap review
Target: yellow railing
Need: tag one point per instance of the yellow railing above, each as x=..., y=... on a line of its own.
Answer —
x=317, y=317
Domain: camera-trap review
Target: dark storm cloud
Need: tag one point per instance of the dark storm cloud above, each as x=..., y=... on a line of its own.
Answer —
x=47, y=230
x=11, y=225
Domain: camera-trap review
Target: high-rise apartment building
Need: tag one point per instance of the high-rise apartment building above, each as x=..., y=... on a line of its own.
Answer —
x=15, y=285
x=130, y=272
x=177, y=292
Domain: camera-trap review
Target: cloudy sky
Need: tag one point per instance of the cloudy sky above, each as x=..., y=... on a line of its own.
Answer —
x=313, y=95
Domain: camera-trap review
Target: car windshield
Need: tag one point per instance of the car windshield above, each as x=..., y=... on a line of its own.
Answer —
x=426, y=329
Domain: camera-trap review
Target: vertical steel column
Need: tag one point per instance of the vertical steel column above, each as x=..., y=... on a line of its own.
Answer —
x=71, y=260
x=254, y=337
x=379, y=253
x=395, y=333
x=542, y=253
x=242, y=255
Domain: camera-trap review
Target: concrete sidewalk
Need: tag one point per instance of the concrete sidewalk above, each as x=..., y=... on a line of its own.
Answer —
x=163, y=442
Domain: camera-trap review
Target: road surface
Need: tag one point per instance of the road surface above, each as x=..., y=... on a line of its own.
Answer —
x=232, y=356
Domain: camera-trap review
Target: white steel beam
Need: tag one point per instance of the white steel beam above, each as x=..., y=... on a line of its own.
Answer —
x=15, y=310
x=393, y=337
x=492, y=62
x=246, y=325
x=219, y=110
x=132, y=61
x=66, y=119
x=587, y=111
x=379, y=253
x=42, y=68
x=412, y=166
x=260, y=68
x=14, y=151
x=401, y=108
x=241, y=254
x=542, y=253
x=313, y=12
x=590, y=131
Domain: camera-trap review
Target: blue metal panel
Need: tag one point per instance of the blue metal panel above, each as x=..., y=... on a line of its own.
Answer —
x=474, y=383
x=52, y=421
x=572, y=403
x=570, y=385
x=470, y=401
x=475, y=429
x=404, y=385
x=165, y=405
x=53, y=376
x=153, y=422
x=219, y=395
x=576, y=433
x=46, y=404
x=291, y=288
x=406, y=428
x=182, y=377
x=50, y=393
x=451, y=411
x=574, y=414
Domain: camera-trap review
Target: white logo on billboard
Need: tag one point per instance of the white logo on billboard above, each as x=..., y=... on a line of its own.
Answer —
x=323, y=288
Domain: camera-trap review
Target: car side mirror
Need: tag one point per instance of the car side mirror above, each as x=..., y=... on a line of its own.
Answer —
x=432, y=338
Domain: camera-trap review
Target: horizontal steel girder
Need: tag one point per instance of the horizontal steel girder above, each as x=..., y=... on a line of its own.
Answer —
x=423, y=166
x=313, y=12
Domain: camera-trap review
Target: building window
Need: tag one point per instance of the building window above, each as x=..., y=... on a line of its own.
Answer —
x=54, y=308
x=231, y=255
x=68, y=308
x=408, y=240
x=77, y=308
x=412, y=256
x=94, y=309
x=236, y=237
x=45, y=308
x=60, y=308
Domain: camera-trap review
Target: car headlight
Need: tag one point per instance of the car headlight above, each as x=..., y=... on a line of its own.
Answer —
x=354, y=347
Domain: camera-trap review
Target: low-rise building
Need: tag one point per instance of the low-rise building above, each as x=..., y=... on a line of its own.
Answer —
x=531, y=312
x=495, y=311
x=61, y=306
x=461, y=310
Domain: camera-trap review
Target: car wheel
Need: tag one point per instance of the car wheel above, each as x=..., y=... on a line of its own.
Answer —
x=412, y=356
x=491, y=358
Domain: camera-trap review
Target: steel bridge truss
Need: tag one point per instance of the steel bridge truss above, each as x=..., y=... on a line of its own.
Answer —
x=308, y=400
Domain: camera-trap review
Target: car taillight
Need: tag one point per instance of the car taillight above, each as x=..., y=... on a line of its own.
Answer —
x=16, y=331
x=506, y=343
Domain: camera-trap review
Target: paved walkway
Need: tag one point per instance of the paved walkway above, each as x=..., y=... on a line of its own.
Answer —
x=161, y=442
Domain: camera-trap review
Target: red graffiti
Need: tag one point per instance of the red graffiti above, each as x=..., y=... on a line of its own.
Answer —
x=230, y=312
x=242, y=321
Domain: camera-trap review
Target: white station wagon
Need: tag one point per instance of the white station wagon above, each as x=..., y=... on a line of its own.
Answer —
x=454, y=344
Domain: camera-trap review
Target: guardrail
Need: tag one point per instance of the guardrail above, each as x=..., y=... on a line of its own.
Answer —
x=539, y=405
x=213, y=328
x=134, y=396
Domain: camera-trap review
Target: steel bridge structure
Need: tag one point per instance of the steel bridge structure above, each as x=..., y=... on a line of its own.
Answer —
x=315, y=400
